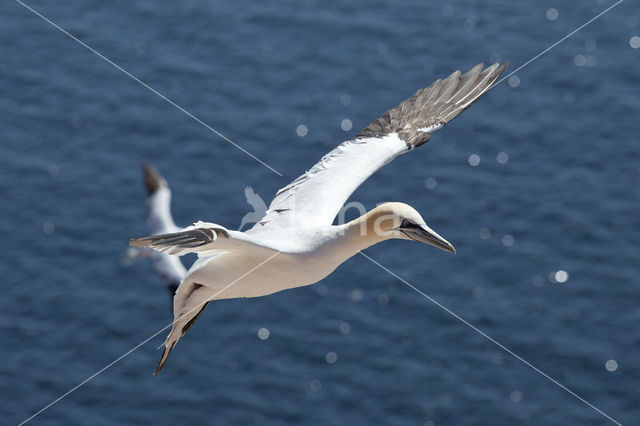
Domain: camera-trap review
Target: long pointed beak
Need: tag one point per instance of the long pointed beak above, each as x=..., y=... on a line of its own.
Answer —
x=426, y=235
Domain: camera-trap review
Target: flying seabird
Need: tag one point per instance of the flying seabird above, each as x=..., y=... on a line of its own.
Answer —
x=295, y=243
x=159, y=221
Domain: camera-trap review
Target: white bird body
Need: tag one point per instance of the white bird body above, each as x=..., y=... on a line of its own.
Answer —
x=295, y=243
x=159, y=218
x=283, y=260
x=160, y=221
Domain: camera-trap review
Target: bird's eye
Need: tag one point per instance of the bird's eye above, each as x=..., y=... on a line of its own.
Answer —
x=406, y=223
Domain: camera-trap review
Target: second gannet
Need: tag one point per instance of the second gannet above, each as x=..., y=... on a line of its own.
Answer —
x=159, y=221
x=295, y=243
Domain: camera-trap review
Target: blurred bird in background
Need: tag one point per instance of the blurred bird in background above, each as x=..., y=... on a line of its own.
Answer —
x=159, y=221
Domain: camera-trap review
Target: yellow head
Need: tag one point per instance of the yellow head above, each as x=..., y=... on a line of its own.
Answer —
x=401, y=221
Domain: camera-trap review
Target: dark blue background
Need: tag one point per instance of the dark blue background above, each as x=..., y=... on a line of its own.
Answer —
x=75, y=131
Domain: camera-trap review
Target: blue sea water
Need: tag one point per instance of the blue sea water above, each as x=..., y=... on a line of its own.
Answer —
x=547, y=232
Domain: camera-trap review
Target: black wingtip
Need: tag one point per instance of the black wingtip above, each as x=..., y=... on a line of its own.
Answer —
x=502, y=68
x=431, y=108
x=153, y=180
x=172, y=288
x=138, y=242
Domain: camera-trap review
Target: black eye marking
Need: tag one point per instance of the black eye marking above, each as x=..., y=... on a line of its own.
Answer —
x=406, y=223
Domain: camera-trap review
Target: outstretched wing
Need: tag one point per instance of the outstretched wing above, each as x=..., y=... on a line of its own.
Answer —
x=158, y=202
x=315, y=198
x=202, y=238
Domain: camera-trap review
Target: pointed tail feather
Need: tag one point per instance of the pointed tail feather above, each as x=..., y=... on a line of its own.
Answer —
x=169, y=344
x=179, y=329
x=163, y=359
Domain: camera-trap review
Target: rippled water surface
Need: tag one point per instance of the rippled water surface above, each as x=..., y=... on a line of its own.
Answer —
x=537, y=186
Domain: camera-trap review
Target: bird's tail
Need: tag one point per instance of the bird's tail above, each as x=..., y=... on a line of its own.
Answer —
x=168, y=347
x=180, y=327
x=153, y=180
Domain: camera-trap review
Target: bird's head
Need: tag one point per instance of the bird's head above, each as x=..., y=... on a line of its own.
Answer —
x=401, y=221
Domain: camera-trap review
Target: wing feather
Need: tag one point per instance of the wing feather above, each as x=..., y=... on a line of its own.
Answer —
x=316, y=197
x=203, y=238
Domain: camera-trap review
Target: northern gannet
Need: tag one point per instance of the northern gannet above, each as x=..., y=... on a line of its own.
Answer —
x=295, y=243
x=159, y=221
